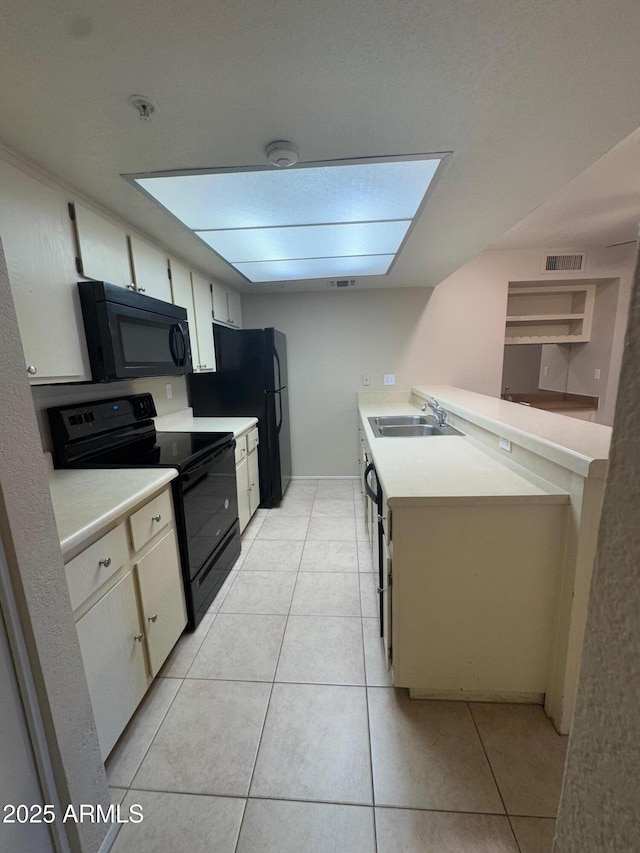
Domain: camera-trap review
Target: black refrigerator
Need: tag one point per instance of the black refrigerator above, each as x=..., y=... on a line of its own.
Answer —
x=251, y=379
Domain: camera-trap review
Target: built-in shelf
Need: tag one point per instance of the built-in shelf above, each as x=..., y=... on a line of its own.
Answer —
x=550, y=314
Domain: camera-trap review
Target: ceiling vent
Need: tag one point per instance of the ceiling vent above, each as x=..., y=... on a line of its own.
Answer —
x=564, y=263
x=342, y=282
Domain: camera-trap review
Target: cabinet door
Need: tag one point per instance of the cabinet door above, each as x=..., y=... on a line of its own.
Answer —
x=182, y=294
x=37, y=237
x=234, y=303
x=150, y=268
x=242, y=483
x=102, y=248
x=254, y=481
x=162, y=599
x=113, y=660
x=220, y=303
x=204, y=324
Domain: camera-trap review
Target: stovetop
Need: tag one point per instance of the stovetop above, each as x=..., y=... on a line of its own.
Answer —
x=119, y=433
x=162, y=449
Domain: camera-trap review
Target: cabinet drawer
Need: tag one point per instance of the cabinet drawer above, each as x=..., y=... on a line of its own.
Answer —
x=89, y=570
x=241, y=448
x=149, y=520
x=253, y=440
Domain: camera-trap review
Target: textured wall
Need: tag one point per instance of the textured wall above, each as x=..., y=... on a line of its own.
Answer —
x=29, y=535
x=600, y=806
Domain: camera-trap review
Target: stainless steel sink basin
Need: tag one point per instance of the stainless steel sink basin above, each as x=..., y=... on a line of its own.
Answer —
x=400, y=420
x=410, y=428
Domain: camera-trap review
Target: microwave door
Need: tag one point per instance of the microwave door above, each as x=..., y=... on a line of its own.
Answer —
x=147, y=344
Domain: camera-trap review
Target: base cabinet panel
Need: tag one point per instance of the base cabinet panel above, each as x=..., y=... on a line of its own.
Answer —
x=114, y=660
x=163, y=607
x=244, y=508
x=254, y=481
x=473, y=598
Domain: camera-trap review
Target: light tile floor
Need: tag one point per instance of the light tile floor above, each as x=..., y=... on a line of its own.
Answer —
x=273, y=728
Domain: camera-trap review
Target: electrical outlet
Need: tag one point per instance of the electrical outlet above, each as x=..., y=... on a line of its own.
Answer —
x=169, y=390
x=389, y=379
x=546, y=370
x=596, y=373
x=366, y=379
x=504, y=444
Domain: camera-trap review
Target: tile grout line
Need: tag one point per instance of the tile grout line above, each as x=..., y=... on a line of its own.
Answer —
x=266, y=713
x=486, y=755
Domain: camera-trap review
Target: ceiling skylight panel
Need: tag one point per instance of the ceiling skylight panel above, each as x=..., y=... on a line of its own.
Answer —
x=299, y=196
x=312, y=241
x=315, y=268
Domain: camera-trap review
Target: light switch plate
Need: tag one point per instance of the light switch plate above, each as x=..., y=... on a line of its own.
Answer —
x=596, y=373
x=389, y=379
x=504, y=444
x=169, y=391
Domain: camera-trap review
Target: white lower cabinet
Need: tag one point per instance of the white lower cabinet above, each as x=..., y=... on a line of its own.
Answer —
x=162, y=599
x=110, y=636
x=127, y=622
x=247, y=475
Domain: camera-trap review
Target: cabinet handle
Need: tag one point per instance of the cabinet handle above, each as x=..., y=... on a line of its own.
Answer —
x=157, y=517
x=380, y=589
x=153, y=618
x=142, y=290
x=106, y=562
x=131, y=286
x=139, y=637
x=32, y=370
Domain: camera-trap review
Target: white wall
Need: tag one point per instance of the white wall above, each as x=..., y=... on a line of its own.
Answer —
x=453, y=334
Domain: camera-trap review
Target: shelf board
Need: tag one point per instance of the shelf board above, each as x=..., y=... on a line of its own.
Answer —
x=543, y=318
x=546, y=339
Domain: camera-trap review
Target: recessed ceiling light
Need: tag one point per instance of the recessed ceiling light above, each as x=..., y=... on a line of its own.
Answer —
x=332, y=219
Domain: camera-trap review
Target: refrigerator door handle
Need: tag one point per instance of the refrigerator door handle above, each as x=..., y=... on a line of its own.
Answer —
x=276, y=359
x=279, y=420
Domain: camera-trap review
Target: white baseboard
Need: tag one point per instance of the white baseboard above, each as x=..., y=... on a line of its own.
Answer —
x=477, y=696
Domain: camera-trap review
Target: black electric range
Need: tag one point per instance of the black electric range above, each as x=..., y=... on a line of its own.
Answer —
x=119, y=433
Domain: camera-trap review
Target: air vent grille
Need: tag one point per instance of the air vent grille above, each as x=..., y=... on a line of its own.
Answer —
x=342, y=282
x=564, y=263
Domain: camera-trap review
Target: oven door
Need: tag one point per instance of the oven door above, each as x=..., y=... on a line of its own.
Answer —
x=207, y=511
x=209, y=504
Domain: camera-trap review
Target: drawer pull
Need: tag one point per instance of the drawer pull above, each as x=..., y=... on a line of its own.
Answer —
x=106, y=562
x=380, y=589
x=157, y=517
x=139, y=637
x=153, y=618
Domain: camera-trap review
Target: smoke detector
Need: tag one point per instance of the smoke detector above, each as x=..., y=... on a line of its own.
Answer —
x=282, y=153
x=144, y=106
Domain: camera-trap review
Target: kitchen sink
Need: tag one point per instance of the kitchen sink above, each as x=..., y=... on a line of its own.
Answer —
x=399, y=420
x=410, y=427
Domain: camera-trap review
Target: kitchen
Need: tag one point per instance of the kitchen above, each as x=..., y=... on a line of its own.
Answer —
x=451, y=335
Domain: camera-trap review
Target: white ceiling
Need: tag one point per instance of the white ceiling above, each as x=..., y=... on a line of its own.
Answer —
x=601, y=207
x=526, y=93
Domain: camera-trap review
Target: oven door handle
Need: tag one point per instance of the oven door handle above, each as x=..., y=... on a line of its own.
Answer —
x=373, y=495
x=228, y=448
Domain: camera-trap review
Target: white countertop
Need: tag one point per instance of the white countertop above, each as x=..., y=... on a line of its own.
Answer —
x=446, y=469
x=184, y=421
x=87, y=501
x=581, y=446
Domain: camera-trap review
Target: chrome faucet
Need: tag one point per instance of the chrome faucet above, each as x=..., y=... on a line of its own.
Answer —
x=439, y=413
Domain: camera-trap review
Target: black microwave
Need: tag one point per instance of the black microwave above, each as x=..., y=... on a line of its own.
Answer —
x=131, y=335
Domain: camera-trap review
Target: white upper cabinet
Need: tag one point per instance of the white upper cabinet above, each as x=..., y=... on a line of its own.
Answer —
x=235, y=308
x=150, y=268
x=102, y=248
x=37, y=236
x=181, y=293
x=204, y=325
x=227, y=306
